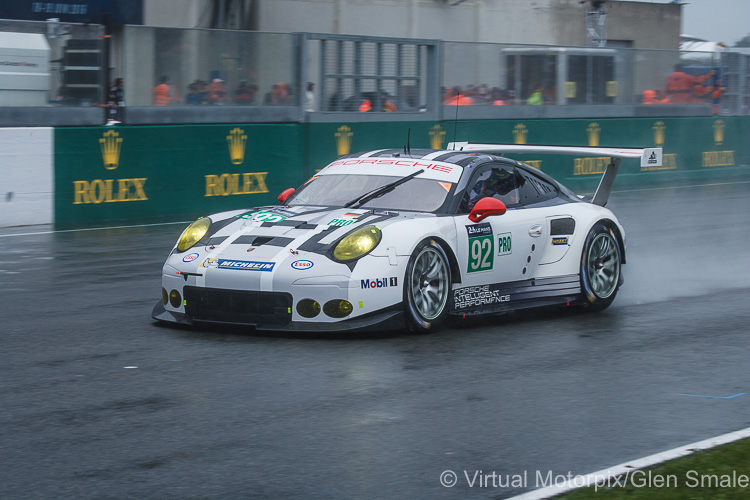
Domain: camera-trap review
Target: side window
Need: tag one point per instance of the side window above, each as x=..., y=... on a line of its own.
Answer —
x=533, y=189
x=500, y=182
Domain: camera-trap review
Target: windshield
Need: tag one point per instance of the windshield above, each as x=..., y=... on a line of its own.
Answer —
x=421, y=195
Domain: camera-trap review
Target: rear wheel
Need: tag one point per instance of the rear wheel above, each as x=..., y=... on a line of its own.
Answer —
x=601, y=265
x=427, y=287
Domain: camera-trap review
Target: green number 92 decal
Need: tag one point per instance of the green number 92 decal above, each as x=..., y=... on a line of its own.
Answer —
x=481, y=247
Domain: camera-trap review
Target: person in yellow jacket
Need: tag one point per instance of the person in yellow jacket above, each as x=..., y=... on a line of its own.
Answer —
x=163, y=92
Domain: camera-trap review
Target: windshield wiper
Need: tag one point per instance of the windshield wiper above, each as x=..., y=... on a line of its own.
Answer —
x=377, y=192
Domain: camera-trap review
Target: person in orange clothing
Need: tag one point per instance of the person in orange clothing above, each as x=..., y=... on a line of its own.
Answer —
x=163, y=92
x=654, y=97
x=680, y=86
x=454, y=97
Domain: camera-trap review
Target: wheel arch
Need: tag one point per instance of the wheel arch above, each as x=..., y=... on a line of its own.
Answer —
x=615, y=228
x=449, y=252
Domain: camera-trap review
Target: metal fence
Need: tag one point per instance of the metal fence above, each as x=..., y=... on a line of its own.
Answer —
x=319, y=76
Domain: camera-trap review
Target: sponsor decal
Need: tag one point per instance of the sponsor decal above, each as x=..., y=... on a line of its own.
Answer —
x=520, y=134
x=379, y=283
x=230, y=184
x=108, y=191
x=245, y=265
x=111, y=144
x=344, y=220
x=262, y=216
x=560, y=241
x=477, y=296
x=438, y=167
x=302, y=264
x=437, y=134
x=504, y=244
x=210, y=262
x=718, y=158
x=190, y=257
x=594, y=130
x=344, y=140
x=481, y=243
x=236, y=140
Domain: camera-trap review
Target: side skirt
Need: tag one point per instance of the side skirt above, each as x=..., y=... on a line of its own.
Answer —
x=503, y=297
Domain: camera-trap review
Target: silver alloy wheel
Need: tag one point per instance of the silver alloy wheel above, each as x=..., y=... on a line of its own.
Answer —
x=429, y=283
x=603, y=265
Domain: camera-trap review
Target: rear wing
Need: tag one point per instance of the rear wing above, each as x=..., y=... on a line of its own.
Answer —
x=649, y=157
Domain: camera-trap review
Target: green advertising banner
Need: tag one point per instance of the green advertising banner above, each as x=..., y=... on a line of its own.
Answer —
x=108, y=175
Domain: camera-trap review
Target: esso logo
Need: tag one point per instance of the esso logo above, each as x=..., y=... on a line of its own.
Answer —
x=190, y=257
x=302, y=264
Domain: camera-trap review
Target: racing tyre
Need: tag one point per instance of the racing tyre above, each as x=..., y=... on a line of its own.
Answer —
x=427, y=287
x=601, y=267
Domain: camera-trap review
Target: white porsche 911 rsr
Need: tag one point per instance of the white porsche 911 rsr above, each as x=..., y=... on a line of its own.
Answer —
x=390, y=239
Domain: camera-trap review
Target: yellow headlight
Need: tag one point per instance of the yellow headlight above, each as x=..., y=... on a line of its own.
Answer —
x=357, y=243
x=193, y=233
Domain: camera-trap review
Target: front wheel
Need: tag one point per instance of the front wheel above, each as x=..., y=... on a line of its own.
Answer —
x=427, y=287
x=601, y=265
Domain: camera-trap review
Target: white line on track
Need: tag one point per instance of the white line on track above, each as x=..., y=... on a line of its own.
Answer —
x=188, y=222
x=608, y=474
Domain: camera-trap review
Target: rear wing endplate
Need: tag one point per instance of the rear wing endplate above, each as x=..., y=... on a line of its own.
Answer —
x=649, y=157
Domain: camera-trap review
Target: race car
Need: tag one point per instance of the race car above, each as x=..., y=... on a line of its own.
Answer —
x=393, y=238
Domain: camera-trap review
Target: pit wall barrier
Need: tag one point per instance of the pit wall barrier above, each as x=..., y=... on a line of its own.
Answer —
x=26, y=176
x=121, y=175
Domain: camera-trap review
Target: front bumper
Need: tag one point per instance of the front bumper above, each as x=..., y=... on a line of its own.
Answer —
x=379, y=321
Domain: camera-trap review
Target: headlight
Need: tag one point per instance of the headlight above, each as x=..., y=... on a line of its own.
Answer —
x=193, y=233
x=358, y=243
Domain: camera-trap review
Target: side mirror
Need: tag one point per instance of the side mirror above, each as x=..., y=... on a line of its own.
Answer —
x=284, y=195
x=485, y=208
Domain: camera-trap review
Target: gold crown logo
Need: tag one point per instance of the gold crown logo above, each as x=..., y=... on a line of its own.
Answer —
x=594, y=130
x=437, y=134
x=344, y=140
x=236, y=141
x=520, y=133
x=111, y=143
x=719, y=132
x=659, y=129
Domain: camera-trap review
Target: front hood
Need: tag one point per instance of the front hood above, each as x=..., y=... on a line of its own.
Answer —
x=253, y=245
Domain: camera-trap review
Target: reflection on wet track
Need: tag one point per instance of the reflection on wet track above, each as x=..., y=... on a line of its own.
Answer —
x=100, y=402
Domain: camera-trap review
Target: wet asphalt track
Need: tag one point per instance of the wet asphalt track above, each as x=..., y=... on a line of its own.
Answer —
x=219, y=413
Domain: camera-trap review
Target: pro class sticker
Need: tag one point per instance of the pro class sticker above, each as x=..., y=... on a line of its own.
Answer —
x=481, y=247
x=504, y=244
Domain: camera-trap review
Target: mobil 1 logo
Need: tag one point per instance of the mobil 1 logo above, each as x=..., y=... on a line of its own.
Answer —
x=481, y=247
x=504, y=244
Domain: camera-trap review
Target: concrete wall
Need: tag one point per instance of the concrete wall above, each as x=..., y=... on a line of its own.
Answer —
x=26, y=176
x=551, y=22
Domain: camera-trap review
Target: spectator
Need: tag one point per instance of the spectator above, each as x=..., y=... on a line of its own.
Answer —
x=454, y=97
x=654, y=97
x=115, y=101
x=217, y=92
x=498, y=97
x=537, y=96
x=279, y=95
x=310, y=97
x=680, y=86
x=163, y=93
x=245, y=94
x=194, y=95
